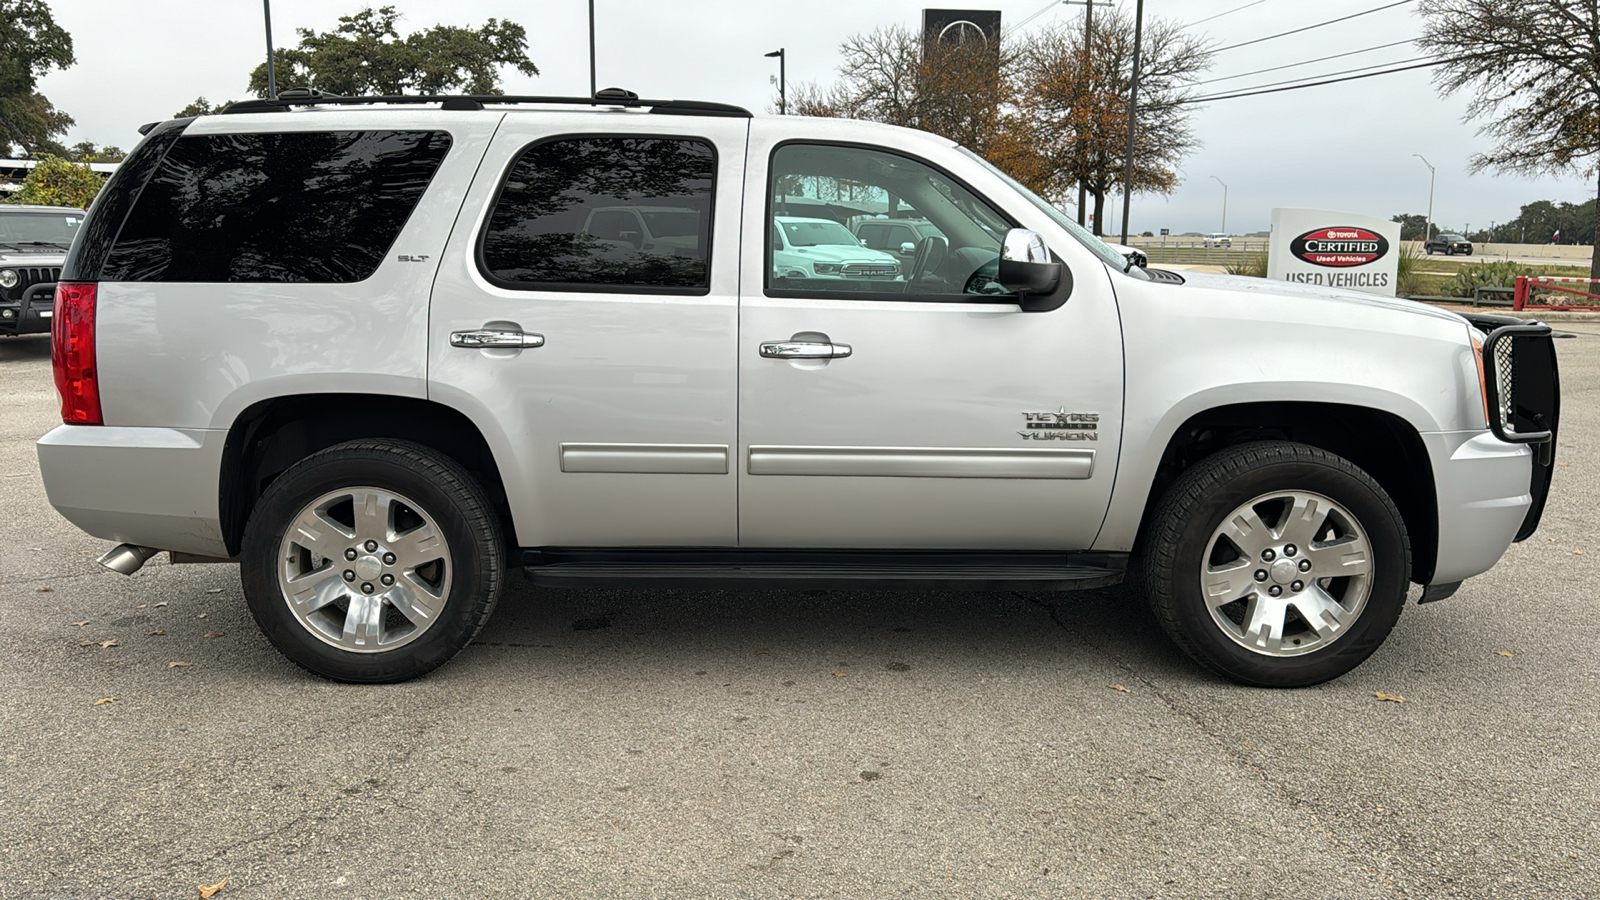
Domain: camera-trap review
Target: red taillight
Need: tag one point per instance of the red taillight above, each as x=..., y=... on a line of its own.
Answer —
x=72, y=352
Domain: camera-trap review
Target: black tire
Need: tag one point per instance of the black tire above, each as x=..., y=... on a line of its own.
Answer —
x=1429, y=250
x=1180, y=547
x=441, y=490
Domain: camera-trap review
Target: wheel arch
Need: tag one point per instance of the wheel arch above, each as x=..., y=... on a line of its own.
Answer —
x=270, y=435
x=1381, y=443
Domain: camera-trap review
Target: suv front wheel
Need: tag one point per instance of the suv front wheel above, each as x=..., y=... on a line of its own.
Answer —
x=372, y=561
x=1277, y=564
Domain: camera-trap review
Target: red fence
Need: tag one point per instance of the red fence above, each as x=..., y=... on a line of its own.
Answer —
x=1526, y=284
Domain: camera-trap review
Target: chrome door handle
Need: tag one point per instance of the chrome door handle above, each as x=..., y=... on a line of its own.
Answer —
x=490, y=339
x=804, y=350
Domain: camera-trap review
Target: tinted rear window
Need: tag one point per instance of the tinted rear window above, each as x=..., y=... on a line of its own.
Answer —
x=604, y=214
x=320, y=207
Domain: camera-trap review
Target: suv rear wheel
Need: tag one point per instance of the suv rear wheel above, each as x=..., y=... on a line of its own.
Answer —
x=372, y=561
x=1277, y=564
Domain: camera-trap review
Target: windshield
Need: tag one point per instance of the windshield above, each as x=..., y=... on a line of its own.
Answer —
x=56, y=228
x=1112, y=257
x=672, y=224
x=810, y=234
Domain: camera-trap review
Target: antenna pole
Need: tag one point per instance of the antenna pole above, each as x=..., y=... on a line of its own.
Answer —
x=272, y=73
x=592, y=86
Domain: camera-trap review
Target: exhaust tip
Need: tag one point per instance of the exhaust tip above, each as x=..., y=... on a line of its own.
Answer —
x=126, y=559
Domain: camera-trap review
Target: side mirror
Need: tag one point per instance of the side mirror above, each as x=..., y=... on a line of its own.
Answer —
x=1025, y=264
x=908, y=247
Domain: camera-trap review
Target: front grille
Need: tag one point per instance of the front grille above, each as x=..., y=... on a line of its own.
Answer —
x=1504, y=367
x=30, y=276
x=871, y=270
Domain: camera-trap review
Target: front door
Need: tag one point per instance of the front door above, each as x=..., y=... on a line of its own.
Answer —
x=585, y=318
x=925, y=410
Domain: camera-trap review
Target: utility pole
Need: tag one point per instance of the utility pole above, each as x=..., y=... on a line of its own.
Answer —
x=593, y=87
x=1133, y=111
x=272, y=69
x=1428, y=234
x=783, y=102
x=1224, y=202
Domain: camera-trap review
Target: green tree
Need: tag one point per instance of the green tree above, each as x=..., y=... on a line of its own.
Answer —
x=87, y=152
x=58, y=182
x=200, y=107
x=31, y=44
x=1532, y=69
x=367, y=55
x=1412, y=226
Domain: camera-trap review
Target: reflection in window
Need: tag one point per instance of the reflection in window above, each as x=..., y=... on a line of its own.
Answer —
x=871, y=224
x=322, y=206
x=605, y=212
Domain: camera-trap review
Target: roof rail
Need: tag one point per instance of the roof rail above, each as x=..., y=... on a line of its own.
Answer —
x=604, y=97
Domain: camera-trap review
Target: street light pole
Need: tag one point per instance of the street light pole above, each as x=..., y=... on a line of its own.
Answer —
x=1088, y=71
x=593, y=87
x=1224, y=202
x=1133, y=109
x=783, y=91
x=272, y=69
x=1428, y=234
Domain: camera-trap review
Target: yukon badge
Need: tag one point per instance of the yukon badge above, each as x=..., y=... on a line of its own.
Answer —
x=1061, y=426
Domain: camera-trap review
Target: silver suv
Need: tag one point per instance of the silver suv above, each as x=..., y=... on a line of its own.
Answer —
x=371, y=351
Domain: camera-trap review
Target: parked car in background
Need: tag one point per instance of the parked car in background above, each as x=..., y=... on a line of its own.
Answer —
x=898, y=237
x=822, y=248
x=1218, y=239
x=33, y=243
x=1448, y=244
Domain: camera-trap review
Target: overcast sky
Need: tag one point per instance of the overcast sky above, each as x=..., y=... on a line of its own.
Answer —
x=1344, y=147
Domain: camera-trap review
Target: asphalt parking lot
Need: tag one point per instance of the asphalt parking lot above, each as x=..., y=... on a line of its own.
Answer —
x=789, y=744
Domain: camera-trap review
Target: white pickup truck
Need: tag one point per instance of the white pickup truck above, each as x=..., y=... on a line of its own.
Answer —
x=369, y=350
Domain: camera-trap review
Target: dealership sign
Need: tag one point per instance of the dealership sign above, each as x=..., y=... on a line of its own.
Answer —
x=1334, y=249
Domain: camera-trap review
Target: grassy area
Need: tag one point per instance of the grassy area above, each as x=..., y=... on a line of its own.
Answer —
x=1435, y=276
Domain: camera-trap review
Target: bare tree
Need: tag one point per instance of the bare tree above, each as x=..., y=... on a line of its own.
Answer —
x=1533, y=71
x=1040, y=109
x=1074, y=106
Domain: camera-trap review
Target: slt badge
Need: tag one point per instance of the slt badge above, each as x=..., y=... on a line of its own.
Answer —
x=1061, y=426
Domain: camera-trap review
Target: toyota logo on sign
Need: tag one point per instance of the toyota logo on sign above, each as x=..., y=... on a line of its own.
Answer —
x=1339, y=246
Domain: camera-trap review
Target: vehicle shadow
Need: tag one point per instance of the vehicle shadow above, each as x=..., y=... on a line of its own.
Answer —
x=27, y=347
x=1108, y=630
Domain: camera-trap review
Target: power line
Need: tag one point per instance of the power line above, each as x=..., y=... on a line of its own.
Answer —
x=1306, y=63
x=1042, y=10
x=1252, y=93
x=1221, y=14
x=1392, y=62
x=1280, y=34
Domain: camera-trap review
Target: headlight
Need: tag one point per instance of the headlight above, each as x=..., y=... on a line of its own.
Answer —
x=826, y=268
x=9, y=278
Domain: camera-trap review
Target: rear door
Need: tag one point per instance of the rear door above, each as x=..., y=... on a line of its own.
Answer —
x=601, y=371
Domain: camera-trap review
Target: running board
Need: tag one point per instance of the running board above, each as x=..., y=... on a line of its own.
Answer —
x=841, y=570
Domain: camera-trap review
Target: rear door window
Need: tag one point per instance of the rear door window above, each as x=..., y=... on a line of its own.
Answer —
x=304, y=206
x=604, y=213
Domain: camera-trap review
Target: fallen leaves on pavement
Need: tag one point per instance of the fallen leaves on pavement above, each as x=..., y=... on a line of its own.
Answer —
x=179, y=665
x=839, y=674
x=80, y=624
x=1506, y=653
x=104, y=700
x=43, y=589
x=156, y=633
x=213, y=590
x=213, y=634
x=1392, y=698
x=1118, y=687
x=206, y=892
x=110, y=643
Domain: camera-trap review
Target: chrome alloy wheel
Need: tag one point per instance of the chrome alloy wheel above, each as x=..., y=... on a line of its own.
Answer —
x=364, y=569
x=1287, y=573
